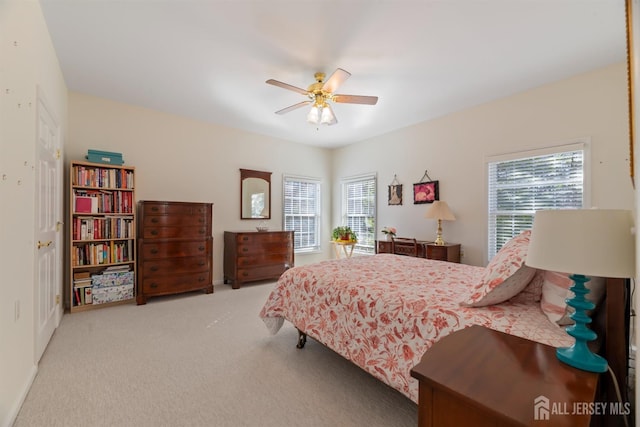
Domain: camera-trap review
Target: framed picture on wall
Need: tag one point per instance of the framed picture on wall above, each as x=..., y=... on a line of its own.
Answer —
x=425, y=192
x=395, y=194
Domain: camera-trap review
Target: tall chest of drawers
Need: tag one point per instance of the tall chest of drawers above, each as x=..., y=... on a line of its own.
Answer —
x=175, y=246
x=256, y=255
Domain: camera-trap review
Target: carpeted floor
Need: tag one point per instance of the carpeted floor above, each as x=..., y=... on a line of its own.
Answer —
x=200, y=360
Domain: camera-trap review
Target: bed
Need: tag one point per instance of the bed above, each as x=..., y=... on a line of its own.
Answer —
x=384, y=311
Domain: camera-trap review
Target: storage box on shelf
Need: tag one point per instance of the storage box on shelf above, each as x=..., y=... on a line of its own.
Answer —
x=102, y=255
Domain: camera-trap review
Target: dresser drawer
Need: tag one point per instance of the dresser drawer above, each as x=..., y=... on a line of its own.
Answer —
x=178, y=265
x=267, y=247
x=258, y=273
x=175, y=208
x=264, y=259
x=174, y=232
x=174, y=284
x=154, y=249
x=449, y=252
x=262, y=238
x=174, y=220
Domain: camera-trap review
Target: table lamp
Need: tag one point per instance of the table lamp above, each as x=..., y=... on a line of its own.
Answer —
x=439, y=210
x=583, y=242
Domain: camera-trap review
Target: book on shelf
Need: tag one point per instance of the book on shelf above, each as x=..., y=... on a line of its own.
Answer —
x=83, y=204
x=81, y=283
x=88, y=299
x=116, y=268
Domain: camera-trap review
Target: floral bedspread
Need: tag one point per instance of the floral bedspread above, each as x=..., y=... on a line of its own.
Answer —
x=383, y=312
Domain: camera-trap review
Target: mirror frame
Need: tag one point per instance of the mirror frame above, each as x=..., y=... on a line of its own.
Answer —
x=249, y=173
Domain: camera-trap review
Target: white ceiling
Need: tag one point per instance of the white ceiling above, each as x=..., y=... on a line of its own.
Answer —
x=209, y=59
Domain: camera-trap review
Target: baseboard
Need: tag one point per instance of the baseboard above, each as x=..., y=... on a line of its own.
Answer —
x=15, y=408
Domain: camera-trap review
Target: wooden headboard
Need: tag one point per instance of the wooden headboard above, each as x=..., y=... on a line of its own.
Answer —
x=613, y=324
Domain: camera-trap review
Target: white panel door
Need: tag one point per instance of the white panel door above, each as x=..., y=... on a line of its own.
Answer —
x=48, y=275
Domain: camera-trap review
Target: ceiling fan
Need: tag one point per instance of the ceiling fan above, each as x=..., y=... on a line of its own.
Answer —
x=320, y=94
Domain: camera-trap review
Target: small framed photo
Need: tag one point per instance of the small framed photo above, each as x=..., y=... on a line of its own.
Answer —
x=395, y=194
x=425, y=192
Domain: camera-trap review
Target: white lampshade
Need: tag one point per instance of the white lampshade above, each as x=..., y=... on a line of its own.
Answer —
x=328, y=118
x=591, y=242
x=440, y=210
x=314, y=115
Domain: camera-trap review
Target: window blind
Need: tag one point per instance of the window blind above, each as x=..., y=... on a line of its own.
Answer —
x=302, y=212
x=519, y=187
x=359, y=210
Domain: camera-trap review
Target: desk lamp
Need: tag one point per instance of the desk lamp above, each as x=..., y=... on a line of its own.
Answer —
x=583, y=242
x=440, y=210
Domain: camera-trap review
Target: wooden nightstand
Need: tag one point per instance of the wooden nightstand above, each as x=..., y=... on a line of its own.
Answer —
x=386, y=247
x=448, y=252
x=480, y=377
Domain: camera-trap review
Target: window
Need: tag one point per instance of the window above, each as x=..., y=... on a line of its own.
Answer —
x=359, y=210
x=522, y=183
x=302, y=212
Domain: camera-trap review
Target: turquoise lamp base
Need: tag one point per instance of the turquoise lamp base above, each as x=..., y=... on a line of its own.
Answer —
x=579, y=355
x=587, y=361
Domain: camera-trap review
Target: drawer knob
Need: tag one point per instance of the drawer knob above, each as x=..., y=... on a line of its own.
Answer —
x=154, y=232
x=154, y=285
x=201, y=263
x=154, y=208
x=200, y=279
x=154, y=251
x=154, y=268
x=245, y=238
x=201, y=248
x=201, y=231
x=245, y=250
x=154, y=220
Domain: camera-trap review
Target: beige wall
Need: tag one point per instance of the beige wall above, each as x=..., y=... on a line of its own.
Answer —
x=454, y=148
x=28, y=66
x=185, y=160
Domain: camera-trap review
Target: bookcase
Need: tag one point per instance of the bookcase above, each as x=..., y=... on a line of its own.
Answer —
x=102, y=257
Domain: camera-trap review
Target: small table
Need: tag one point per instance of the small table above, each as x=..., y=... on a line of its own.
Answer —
x=347, y=247
x=480, y=377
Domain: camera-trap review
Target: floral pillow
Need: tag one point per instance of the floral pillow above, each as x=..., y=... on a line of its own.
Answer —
x=555, y=291
x=505, y=276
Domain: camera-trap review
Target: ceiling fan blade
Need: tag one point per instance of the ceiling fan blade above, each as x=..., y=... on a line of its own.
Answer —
x=335, y=80
x=293, y=107
x=356, y=99
x=287, y=86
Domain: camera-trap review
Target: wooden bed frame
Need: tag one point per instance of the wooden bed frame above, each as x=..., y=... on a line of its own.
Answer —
x=611, y=323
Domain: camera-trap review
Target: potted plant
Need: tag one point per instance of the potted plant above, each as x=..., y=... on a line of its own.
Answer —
x=390, y=232
x=344, y=233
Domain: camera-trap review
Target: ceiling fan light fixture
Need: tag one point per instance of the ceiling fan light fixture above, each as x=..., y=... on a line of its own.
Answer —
x=319, y=93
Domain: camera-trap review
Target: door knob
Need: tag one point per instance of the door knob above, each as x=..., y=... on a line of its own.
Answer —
x=44, y=245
